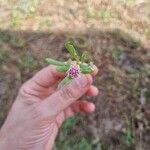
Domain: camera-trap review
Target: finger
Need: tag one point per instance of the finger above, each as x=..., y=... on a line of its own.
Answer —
x=67, y=95
x=81, y=106
x=92, y=91
x=47, y=77
x=42, y=83
x=78, y=106
x=94, y=73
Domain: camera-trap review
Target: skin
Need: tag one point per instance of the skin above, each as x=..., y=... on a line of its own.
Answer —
x=40, y=109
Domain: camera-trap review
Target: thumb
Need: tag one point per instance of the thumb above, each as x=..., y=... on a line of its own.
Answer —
x=67, y=95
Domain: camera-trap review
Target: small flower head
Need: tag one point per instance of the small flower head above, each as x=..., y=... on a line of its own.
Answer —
x=74, y=71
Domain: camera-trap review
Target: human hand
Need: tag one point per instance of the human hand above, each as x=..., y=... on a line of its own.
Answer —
x=39, y=110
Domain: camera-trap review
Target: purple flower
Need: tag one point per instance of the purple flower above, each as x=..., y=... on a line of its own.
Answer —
x=74, y=71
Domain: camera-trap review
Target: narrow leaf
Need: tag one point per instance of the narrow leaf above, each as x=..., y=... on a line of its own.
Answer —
x=55, y=62
x=84, y=56
x=82, y=65
x=64, y=82
x=86, y=71
x=72, y=50
x=64, y=68
x=86, y=68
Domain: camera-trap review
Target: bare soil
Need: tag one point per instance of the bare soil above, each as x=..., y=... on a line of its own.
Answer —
x=122, y=117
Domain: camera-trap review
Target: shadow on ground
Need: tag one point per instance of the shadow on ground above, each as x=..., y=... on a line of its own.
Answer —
x=121, y=120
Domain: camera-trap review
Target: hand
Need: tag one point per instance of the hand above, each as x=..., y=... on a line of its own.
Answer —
x=39, y=110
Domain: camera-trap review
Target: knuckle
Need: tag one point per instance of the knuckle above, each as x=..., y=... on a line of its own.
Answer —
x=68, y=93
x=23, y=90
x=26, y=91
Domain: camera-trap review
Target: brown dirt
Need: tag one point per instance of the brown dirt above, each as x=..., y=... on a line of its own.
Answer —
x=123, y=79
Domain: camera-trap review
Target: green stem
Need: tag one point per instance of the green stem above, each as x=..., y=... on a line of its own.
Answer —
x=64, y=82
x=55, y=62
x=64, y=68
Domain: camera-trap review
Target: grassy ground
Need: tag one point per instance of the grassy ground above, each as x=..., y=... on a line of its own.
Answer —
x=117, y=35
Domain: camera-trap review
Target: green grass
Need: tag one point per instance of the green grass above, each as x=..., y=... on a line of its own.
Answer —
x=130, y=2
x=17, y=18
x=69, y=123
x=11, y=39
x=125, y=38
x=4, y=37
x=146, y=69
x=22, y=11
x=128, y=138
x=83, y=144
x=104, y=15
x=3, y=56
x=115, y=53
x=27, y=7
x=45, y=23
x=127, y=135
x=76, y=143
x=27, y=61
x=147, y=31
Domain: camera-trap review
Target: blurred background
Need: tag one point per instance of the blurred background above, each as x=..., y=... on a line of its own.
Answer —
x=116, y=33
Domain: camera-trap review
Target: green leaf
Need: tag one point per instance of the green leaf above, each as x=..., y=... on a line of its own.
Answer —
x=64, y=68
x=86, y=70
x=72, y=50
x=64, y=82
x=84, y=56
x=69, y=123
x=128, y=138
x=55, y=62
x=82, y=65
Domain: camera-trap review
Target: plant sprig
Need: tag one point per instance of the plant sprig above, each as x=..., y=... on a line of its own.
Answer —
x=79, y=61
x=72, y=51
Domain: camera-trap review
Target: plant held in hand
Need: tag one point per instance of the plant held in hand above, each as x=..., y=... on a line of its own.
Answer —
x=74, y=66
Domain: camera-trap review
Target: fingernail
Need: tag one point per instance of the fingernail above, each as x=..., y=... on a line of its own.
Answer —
x=81, y=81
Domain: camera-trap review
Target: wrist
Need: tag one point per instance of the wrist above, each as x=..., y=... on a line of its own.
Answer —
x=4, y=142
